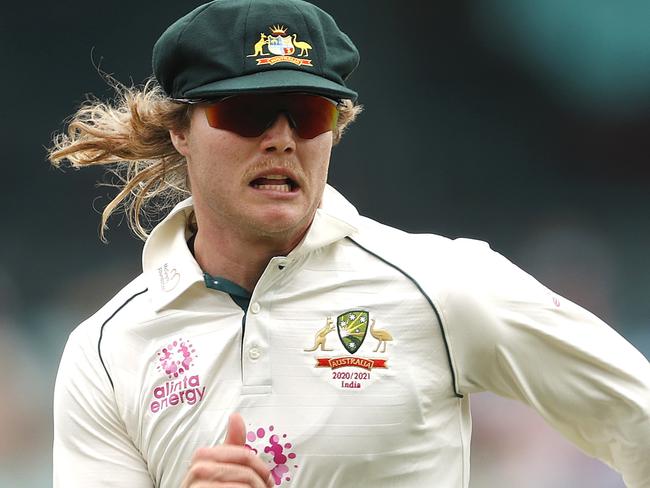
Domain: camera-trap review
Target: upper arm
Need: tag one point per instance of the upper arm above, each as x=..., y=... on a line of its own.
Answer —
x=514, y=337
x=91, y=446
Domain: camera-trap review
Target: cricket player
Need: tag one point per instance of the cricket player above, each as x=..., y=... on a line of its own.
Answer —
x=275, y=336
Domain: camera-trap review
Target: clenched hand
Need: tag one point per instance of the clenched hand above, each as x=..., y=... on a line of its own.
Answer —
x=230, y=465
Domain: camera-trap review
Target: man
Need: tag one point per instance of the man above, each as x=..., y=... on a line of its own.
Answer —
x=278, y=338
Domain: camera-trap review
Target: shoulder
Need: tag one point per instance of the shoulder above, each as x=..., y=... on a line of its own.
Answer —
x=84, y=364
x=467, y=269
x=132, y=302
x=406, y=246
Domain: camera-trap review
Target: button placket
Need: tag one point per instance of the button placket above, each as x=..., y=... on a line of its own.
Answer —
x=256, y=357
x=256, y=360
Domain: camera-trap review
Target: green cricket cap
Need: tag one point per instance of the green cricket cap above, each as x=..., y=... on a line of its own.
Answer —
x=227, y=47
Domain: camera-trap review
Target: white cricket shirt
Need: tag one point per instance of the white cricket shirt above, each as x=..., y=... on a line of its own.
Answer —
x=352, y=366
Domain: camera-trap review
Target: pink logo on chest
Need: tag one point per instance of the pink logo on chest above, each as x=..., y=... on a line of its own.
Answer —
x=275, y=451
x=176, y=358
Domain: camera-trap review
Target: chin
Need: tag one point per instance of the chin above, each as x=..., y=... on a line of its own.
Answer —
x=282, y=224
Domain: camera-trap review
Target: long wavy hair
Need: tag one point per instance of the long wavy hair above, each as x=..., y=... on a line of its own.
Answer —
x=130, y=137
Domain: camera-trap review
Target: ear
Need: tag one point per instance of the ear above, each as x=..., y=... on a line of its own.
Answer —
x=179, y=140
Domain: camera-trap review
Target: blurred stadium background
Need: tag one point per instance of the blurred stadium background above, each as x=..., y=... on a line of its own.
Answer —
x=525, y=124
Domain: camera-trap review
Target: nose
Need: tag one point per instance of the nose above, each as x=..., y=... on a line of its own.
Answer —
x=279, y=137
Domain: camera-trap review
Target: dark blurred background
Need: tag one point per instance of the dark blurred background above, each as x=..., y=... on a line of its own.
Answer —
x=524, y=124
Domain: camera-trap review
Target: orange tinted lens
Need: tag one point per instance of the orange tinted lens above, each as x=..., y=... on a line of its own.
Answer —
x=251, y=115
x=312, y=115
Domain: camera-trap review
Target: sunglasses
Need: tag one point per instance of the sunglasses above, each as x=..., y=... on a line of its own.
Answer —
x=251, y=115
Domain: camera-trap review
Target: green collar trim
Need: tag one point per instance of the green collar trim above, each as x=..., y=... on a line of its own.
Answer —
x=241, y=296
x=227, y=286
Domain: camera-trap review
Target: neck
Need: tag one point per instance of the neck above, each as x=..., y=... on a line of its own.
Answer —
x=237, y=258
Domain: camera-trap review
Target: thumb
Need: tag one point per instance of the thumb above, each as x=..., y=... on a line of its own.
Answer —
x=236, y=435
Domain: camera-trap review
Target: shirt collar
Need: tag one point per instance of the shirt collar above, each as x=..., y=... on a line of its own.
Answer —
x=335, y=219
x=170, y=269
x=168, y=265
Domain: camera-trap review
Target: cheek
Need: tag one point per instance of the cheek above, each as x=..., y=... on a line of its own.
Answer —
x=320, y=154
x=212, y=155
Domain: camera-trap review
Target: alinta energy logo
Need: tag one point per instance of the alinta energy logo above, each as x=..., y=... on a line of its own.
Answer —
x=175, y=360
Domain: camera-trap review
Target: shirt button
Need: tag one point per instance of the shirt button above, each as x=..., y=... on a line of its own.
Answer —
x=255, y=307
x=254, y=353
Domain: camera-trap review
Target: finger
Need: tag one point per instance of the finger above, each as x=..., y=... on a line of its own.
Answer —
x=236, y=435
x=221, y=473
x=233, y=455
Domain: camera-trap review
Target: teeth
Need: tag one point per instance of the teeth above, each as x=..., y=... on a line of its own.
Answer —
x=283, y=188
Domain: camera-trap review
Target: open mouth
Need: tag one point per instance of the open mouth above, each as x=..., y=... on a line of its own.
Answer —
x=279, y=183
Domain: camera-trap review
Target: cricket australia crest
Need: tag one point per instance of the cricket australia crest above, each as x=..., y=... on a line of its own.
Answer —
x=352, y=327
x=351, y=371
x=281, y=48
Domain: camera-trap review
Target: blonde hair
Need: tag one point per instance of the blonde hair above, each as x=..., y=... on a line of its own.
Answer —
x=130, y=136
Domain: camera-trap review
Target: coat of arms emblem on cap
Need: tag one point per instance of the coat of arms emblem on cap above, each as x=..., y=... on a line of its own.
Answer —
x=281, y=48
